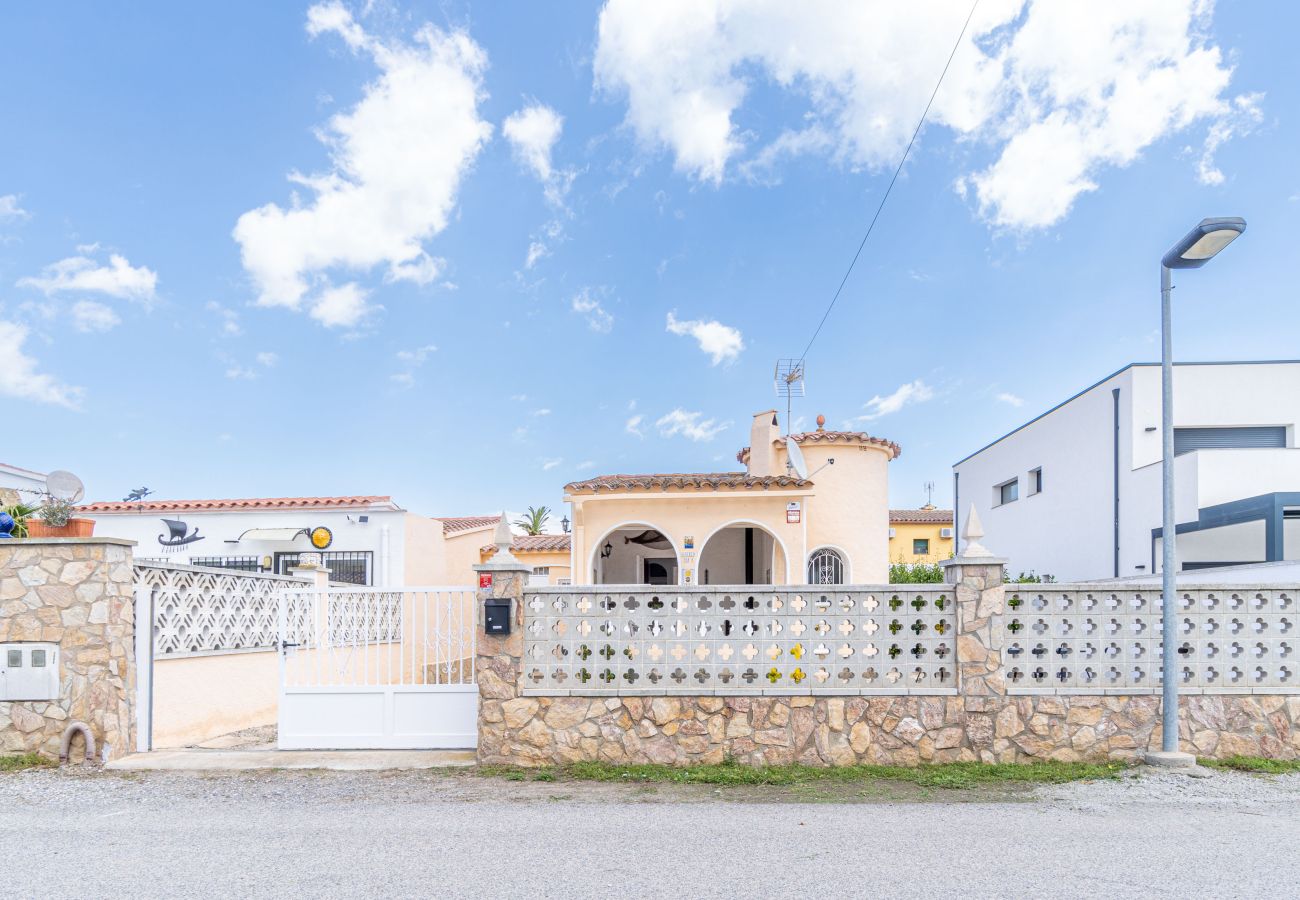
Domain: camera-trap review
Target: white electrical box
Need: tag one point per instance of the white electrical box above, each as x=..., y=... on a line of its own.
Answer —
x=29, y=671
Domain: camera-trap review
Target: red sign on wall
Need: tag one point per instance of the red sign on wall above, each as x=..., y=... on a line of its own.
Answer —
x=484, y=580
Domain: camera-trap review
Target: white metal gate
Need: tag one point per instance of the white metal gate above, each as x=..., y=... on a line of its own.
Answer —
x=375, y=669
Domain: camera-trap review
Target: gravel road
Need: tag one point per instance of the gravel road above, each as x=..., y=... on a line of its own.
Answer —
x=409, y=834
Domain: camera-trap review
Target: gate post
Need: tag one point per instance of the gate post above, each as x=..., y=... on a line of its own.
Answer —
x=498, y=659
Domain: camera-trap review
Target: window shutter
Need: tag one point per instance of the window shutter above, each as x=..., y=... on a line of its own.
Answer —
x=1188, y=439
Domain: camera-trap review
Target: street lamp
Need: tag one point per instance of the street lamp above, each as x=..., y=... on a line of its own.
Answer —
x=1198, y=247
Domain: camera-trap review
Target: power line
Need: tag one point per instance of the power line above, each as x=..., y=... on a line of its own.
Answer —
x=897, y=171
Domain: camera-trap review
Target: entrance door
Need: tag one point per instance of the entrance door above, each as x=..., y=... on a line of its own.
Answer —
x=660, y=571
x=384, y=670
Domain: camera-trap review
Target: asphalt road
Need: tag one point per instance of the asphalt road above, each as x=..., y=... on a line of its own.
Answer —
x=368, y=834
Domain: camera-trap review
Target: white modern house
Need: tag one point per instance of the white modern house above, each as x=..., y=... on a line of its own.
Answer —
x=364, y=540
x=25, y=484
x=1075, y=493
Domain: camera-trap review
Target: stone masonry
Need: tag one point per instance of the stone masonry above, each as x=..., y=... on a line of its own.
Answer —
x=983, y=723
x=78, y=593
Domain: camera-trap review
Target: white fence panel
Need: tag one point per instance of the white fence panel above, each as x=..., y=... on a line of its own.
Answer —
x=363, y=669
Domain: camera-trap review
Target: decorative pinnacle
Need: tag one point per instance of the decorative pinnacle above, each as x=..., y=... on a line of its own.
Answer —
x=502, y=538
x=971, y=535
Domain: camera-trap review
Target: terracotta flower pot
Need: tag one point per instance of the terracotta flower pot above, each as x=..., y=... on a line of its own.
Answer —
x=75, y=528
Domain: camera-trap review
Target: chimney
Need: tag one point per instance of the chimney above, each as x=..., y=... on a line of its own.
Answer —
x=762, y=434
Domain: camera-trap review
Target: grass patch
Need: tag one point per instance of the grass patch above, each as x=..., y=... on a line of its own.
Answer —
x=16, y=763
x=1254, y=764
x=951, y=776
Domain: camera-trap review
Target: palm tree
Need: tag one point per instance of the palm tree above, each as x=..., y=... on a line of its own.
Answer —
x=534, y=520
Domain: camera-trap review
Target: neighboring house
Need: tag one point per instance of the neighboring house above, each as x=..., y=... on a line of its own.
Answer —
x=764, y=525
x=457, y=551
x=922, y=535
x=368, y=540
x=547, y=554
x=19, y=485
x=1076, y=492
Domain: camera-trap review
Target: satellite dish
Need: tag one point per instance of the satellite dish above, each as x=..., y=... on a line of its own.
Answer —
x=65, y=486
x=795, y=457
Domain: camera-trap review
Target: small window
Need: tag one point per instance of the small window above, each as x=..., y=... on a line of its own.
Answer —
x=38, y=658
x=541, y=570
x=825, y=566
x=15, y=659
x=1036, y=480
x=920, y=546
x=1008, y=492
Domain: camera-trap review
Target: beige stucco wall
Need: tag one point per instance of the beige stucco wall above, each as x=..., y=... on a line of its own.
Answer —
x=197, y=698
x=425, y=551
x=556, y=560
x=678, y=515
x=463, y=552
x=847, y=508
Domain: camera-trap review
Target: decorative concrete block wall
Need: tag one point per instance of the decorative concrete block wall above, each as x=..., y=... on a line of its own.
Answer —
x=526, y=719
x=76, y=593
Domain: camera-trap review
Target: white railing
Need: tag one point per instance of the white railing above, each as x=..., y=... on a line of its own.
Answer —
x=852, y=639
x=198, y=610
x=1098, y=638
x=364, y=637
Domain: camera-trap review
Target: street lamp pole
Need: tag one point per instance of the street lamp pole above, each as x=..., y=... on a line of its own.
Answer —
x=1198, y=247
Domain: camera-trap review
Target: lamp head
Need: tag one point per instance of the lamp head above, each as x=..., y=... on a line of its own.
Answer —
x=1203, y=242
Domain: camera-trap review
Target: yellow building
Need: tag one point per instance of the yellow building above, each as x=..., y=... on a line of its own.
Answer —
x=547, y=554
x=920, y=535
x=765, y=525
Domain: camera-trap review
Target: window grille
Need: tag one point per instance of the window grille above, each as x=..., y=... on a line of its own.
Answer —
x=825, y=566
x=239, y=563
x=346, y=566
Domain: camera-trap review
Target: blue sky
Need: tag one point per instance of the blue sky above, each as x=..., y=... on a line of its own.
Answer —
x=463, y=254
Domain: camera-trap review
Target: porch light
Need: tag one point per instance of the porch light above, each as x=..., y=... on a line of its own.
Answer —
x=606, y=550
x=564, y=524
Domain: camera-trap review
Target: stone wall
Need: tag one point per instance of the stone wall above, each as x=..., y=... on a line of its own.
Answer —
x=983, y=723
x=78, y=593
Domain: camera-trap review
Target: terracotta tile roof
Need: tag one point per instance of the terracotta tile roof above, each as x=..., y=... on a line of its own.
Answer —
x=921, y=516
x=457, y=524
x=536, y=543
x=710, y=480
x=250, y=503
x=831, y=437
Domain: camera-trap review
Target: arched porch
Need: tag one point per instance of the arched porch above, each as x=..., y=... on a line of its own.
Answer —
x=635, y=553
x=743, y=553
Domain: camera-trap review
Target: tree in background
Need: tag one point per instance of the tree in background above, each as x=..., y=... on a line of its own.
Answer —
x=918, y=573
x=534, y=520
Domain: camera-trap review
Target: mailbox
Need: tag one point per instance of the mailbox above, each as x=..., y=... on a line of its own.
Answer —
x=29, y=671
x=496, y=616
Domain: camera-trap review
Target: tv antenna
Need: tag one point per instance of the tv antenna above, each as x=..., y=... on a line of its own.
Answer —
x=789, y=384
x=65, y=486
x=928, y=487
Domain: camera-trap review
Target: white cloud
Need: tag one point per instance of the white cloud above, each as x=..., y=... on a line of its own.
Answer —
x=1058, y=91
x=266, y=359
x=10, y=210
x=410, y=360
x=532, y=133
x=633, y=425
x=690, y=425
x=585, y=465
x=237, y=372
x=81, y=274
x=721, y=342
x=1244, y=117
x=229, y=318
x=343, y=306
x=1010, y=399
x=540, y=412
x=88, y=316
x=587, y=303
x=906, y=395
x=397, y=157
x=19, y=377
x=549, y=464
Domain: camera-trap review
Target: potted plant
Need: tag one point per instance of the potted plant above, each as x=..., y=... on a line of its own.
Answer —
x=56, y=520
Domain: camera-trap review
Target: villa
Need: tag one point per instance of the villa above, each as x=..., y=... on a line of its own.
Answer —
x=764, y=525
